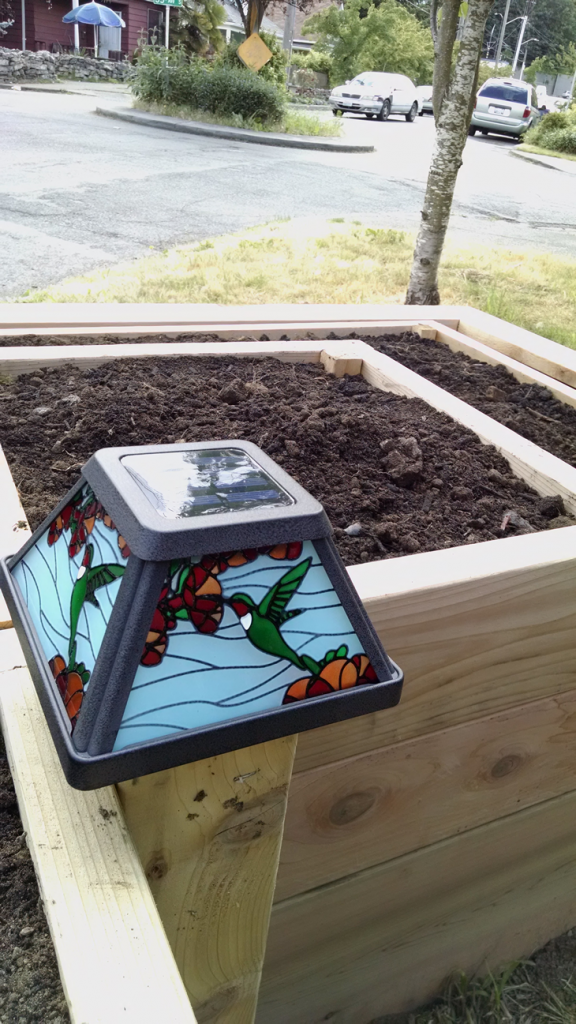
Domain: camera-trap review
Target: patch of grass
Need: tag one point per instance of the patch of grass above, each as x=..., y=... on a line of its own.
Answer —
x=527, y=148
x=319, y=261
x=293, y=122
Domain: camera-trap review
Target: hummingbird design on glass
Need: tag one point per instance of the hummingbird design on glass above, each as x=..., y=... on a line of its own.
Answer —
x=262, y=622
x=89, y=579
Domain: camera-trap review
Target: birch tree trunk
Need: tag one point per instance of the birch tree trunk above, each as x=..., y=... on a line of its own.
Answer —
x=453, y=118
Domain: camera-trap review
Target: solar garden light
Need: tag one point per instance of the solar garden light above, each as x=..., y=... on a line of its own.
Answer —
x=148, y=650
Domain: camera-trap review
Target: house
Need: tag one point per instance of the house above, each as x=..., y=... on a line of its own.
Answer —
x=44, y=29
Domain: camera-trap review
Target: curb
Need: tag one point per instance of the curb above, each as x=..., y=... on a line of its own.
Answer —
x=553, y=163
x=175, y=124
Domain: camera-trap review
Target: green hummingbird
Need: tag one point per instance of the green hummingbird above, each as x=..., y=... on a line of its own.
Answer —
x=88, y=580
x=262, y=622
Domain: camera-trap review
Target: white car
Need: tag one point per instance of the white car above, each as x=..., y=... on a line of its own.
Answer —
x=376, y=94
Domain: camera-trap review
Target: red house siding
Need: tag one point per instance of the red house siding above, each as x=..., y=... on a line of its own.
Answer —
x=45, y=29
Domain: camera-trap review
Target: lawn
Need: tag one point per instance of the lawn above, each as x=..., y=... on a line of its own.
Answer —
x=294, y=122
x=525, y=147
x=336, y=261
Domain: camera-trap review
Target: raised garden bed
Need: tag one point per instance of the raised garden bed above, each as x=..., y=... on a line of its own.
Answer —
x=450, y=816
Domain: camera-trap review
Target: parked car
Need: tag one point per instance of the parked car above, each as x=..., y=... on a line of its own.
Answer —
x=506, y=106
x=424, y=99
x=376, y=94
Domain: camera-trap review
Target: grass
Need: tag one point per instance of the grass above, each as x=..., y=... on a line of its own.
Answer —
x=294, y=122
x=320, y=261
x=525, y=147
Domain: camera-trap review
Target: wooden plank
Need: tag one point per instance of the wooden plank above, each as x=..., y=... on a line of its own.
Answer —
x=204, y=316
x=542, y=471
x=533, y=350
x=240, y=332
x=475, y=633
x=14, y=529
x=486, y=354
x=383, y=940
x=14, y=360
x=209, y=837
x=113, y=955
x=336, y=361
x=351, y=814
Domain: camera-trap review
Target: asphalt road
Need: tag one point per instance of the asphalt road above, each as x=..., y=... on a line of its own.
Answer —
x=79, y=191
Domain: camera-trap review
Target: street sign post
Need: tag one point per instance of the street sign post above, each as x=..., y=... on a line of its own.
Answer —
x=168, y=4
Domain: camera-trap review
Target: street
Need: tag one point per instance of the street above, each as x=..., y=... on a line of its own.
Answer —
x=79, y=191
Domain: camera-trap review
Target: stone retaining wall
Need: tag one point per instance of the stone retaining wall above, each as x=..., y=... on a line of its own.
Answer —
x=17, y=66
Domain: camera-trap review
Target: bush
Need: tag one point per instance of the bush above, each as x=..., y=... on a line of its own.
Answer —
x=314, y=60
x=171, y=77
x=555, y=131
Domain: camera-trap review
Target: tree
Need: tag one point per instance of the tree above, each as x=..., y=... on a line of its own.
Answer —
x=197, y=28
x=253, y=11
x=452, y=100
x=369, y=36
x=561, y=63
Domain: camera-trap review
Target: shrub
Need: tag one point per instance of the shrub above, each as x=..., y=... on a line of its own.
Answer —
x=171, y=77
x=314, y=60
x=555, y=131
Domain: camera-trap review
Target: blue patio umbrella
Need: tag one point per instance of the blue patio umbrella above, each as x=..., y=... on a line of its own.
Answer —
x=94, y=14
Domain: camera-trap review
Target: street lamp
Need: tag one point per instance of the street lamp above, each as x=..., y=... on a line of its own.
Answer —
x=186, y=600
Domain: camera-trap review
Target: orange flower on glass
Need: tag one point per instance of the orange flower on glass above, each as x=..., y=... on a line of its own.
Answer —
x=202, y=598
x=71, y=687
x=338, y=674
x=289, y=551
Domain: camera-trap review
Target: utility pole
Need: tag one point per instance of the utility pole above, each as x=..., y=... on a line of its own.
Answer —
x=289, y=28
x=502, y=31
x=519, y=43
x=166, y=26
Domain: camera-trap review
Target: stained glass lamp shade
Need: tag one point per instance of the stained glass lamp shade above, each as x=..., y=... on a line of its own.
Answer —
x=186, y=600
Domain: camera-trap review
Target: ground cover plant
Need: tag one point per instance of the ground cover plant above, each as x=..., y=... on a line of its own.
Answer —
x=555, y=133
x=428, y=478
x=220, y=92
x=335, y=261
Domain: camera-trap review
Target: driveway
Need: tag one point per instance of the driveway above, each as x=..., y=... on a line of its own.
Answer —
x=78, y=191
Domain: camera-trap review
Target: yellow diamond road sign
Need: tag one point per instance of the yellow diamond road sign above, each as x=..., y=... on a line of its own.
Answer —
x=253, y=52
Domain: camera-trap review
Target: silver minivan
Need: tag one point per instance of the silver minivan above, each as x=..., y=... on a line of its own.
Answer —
x=507, y=106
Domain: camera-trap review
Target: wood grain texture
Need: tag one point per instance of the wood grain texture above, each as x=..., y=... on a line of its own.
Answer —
x=352, y=814
x=209, y=317
x=14, y=529
x=542, y=471
x=384, y=940
x=555, y=360
x=209, y=837
x=113, y=954
x=474, y=634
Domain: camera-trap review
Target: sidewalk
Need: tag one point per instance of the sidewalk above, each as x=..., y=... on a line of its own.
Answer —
x=553, y=162
x=72, y=86
x=176, y=124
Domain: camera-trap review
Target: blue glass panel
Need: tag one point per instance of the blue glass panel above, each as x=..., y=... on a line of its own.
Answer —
x=69, y=580
x=238, y=634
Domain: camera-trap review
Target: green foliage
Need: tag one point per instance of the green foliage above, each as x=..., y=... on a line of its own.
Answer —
x=317, y=59
x=366, y=36
x=172, y=77
x=197, y=26
x=552, y=22
x=562, y=62
x=274, y=71
x=555, y=131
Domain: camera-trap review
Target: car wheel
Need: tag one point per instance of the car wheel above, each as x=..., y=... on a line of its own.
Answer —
x=484, y=131
x=471, y=130
x=420, y=113
x=411, y=115
x=337, y=113
x=384, y=112
x=369, y=116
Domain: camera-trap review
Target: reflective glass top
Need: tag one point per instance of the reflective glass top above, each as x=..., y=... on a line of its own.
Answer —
x=186, y=484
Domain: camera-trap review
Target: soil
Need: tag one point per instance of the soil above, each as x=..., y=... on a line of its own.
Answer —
x=529, y=409
x=394, y=476
x=397, y=475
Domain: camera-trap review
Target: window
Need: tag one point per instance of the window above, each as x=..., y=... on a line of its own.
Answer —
x=156, y=27
x=508, y=93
